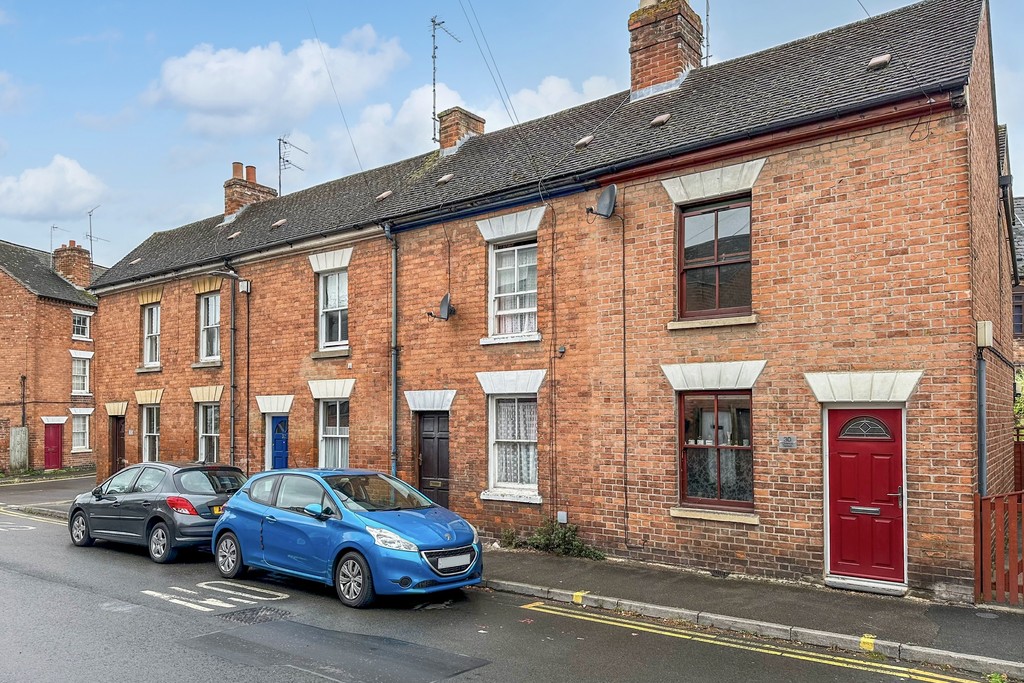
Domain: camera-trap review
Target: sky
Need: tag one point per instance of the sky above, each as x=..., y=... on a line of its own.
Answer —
x=136, y=110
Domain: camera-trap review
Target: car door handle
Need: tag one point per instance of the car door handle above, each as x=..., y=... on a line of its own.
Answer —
x=146, y=503
x=271, y=519
x=116, y=504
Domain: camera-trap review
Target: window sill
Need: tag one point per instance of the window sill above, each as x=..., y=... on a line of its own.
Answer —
x=343, y=352
x=149, y=368
x=75, y=337
x=81, y=450
x=204, y=364
x=81, y=394
x=712, y=322
x=511, y=338
x=738, y=516
x=508, y=496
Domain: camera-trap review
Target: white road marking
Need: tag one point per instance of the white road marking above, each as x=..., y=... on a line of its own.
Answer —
x=244, y=602
x=313, y=673
x=177, y=601
x=9, y=526
x=261, y=594
x=183, y=590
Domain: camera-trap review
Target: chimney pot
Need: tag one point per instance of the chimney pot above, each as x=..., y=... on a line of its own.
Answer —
x=241, y=191
x=236, y=169
x=250, y=174
x=665, y=41
x=71, y=243
x=73, y=263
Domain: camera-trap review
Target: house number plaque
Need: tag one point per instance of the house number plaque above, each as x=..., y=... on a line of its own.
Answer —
x=787, y=442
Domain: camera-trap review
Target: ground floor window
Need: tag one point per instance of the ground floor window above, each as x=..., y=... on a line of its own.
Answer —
x=717, y=455
x=333, y=433
x=513, y=427
x=150, y=433
x=80, y=433
x=209, y=431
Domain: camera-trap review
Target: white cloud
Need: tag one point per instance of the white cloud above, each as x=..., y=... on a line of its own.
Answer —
x=232, y=92
x=10, y=93
x=61, y=189
x=553, y=94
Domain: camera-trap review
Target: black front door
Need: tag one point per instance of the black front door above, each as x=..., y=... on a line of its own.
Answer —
x=116, y=443
x=434, y=456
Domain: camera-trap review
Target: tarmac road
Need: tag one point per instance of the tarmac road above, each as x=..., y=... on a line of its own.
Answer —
x=108, y=612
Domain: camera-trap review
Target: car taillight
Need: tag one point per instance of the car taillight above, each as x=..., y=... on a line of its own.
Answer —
x=181, y=505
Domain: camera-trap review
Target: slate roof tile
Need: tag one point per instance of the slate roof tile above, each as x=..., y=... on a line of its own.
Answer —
x=31, y=267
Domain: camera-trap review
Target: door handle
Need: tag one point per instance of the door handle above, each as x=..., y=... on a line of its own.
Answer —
x=116, y=504
x=271, y=519
x=898, y=495
x=146, y=504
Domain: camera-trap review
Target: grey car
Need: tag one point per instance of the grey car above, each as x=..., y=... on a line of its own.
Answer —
x=163, y=505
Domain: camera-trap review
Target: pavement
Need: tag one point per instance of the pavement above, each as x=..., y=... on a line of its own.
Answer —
x=980, y=639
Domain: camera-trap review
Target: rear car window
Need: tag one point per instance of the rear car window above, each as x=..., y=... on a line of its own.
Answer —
x=209, y=482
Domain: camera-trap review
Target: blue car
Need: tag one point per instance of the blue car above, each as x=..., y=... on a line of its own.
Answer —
x=363, y=532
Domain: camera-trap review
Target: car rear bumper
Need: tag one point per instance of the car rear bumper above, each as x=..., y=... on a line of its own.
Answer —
x=192, y=531
x=398, y=572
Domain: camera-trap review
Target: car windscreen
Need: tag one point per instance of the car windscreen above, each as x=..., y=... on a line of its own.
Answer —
x=209, y=482
x=376, y=492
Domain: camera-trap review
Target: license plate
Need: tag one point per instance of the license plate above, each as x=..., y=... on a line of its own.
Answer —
x=216, y=509
x=449, y=562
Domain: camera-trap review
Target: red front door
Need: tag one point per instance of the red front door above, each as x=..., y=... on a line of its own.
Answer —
x=53, y=447
x=865, y=483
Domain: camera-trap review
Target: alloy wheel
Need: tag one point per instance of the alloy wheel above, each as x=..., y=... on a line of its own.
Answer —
x=227, y=555
x=158, y=542
x=78, y=529
x=351, y=579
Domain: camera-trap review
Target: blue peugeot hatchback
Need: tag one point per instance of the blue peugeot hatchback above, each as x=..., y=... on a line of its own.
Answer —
x=361, y=531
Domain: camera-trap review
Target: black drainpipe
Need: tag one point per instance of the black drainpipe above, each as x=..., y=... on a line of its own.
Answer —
x=24, y=379
x=394, y=348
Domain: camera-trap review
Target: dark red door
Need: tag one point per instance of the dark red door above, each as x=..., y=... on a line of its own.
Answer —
x=865, y=465
x=434, y=456
x=53, y=447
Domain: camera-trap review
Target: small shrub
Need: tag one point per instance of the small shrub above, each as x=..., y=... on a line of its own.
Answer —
x=561, y=539
x=510, y=539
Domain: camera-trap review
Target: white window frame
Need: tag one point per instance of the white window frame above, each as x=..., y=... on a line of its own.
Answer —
x=87, y=317
x=209, y=325
x=496, y=487
x=493, y=296
x=323, y=279
x=343, y=436
x=208, y=440
x=151, y=336
x=150, y=454
x=76, y=422
x=77, y=363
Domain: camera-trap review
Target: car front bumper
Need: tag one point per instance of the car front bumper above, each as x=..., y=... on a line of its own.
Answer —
x=397, y=572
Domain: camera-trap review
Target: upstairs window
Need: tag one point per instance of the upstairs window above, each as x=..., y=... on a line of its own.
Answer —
x=1018, y=314
x=334, y=310
x=80, y=376
x=514, y=289
x=80, y=325
x=151, y=335
x=714, y=263
x=209, y=327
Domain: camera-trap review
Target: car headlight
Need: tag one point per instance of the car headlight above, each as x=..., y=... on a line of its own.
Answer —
x=391, y=540
x=476, y=536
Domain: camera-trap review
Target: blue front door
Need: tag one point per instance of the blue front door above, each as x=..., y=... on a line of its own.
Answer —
x=279, y=445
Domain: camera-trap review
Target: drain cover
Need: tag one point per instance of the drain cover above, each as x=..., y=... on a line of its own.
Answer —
x=256, y=615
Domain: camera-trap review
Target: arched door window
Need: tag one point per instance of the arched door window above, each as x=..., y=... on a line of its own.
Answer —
x=865, y=427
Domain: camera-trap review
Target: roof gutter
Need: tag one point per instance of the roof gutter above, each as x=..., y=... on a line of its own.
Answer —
x=1006, y=186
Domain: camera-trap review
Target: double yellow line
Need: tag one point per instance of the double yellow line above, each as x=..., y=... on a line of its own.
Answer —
x=840, y=661
x=22, y=515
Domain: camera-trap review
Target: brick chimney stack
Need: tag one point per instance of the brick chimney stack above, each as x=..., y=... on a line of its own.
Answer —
x=240, y=192
x=72, y=261
x=665, y=41
x=456, y=125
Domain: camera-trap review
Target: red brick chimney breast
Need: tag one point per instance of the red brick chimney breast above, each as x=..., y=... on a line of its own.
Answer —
x=72, y=261
x=241, y=191
x=455, y=124
x=665, y=41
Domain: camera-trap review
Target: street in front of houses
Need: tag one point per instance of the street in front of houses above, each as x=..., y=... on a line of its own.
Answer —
x=109, y=611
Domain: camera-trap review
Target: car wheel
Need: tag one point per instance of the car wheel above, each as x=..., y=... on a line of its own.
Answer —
x=160, y=549
x=80, y=530
x=229, y=557
x=353, y=581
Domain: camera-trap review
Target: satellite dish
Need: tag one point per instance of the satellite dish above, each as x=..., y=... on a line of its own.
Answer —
x=445, y=310
x=606, y=202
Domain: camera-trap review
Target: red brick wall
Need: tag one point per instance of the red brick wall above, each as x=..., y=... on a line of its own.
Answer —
x=35, y=334
x=992, y=283
x=282, y=339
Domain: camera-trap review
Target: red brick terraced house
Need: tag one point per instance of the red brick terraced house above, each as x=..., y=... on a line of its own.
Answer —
x=46, y=363
x=769, y=355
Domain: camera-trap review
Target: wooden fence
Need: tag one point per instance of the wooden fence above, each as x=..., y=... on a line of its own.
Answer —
x=999, y=549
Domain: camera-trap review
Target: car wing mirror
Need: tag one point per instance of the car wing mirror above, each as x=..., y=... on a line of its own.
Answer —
x=98, y=492
x=314, y=510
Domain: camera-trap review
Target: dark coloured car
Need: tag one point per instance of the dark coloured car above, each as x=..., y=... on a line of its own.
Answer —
x=164, y=506
x=361, y=531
